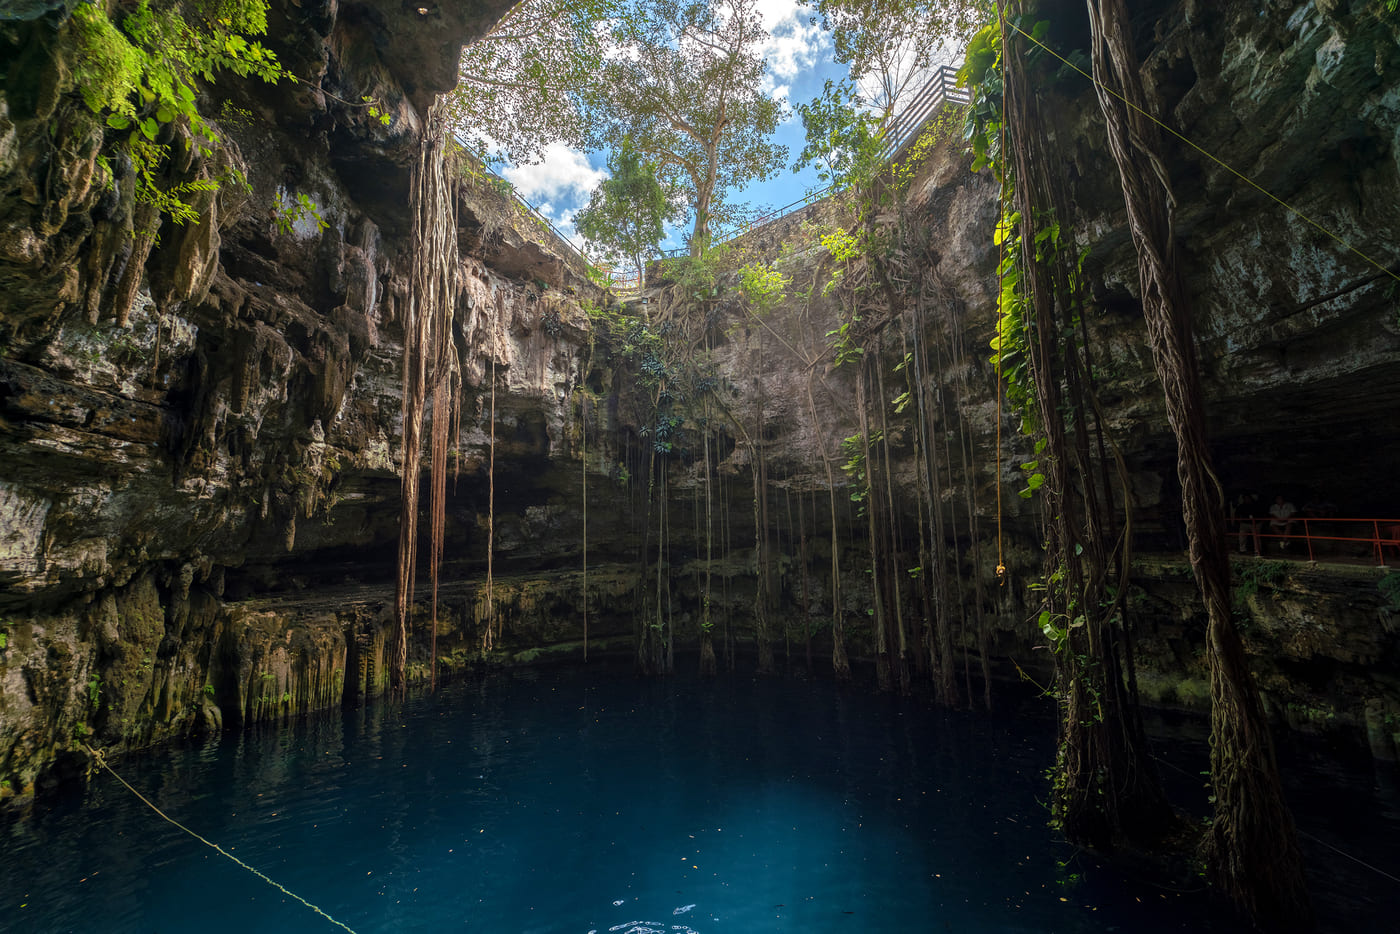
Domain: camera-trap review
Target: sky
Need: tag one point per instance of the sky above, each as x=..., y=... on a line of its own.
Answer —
x=799, y=57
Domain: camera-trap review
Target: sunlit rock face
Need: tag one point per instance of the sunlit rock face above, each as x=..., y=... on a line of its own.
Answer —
x=199, y=488
x=167, y=456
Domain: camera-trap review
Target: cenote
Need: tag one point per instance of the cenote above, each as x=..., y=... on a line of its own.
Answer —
x=574, y=800
x=586, y=466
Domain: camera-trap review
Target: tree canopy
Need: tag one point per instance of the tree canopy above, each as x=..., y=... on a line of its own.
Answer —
x=889, y=44
x=681, y=80
x=535, y=79
x=686, y=87
x=627, y=213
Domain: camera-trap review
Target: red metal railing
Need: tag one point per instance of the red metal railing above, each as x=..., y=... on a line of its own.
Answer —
x=1318, y=535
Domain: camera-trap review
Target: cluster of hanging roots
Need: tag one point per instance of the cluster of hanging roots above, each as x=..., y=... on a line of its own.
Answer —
x=1106, y=788
x=432, y=381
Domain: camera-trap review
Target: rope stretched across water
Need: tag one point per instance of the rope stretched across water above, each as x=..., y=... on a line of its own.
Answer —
x=98, y=756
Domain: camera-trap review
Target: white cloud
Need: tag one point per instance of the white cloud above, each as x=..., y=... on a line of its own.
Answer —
x=793, y=42
x=564, y=175
x=778, y=92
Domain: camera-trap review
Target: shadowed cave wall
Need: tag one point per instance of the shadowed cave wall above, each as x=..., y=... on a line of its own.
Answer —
x=198, y=505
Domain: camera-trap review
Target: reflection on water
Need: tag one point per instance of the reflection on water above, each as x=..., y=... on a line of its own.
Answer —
x=577, y=802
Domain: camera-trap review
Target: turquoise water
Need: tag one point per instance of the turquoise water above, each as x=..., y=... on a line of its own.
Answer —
x=573, y=801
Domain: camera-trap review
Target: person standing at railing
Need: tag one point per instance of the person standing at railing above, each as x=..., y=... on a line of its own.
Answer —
x=1250, y=513
x=1282, y=522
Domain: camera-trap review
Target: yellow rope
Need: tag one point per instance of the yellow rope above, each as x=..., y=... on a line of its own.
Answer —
x=1001, y=264
x=102, y=761
x=1211, y=156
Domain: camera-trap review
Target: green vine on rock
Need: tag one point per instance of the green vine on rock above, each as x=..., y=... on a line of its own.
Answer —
x=138, y=72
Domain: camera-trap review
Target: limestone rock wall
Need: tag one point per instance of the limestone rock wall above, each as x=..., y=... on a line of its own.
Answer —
x=199, y=491
x=186, y=430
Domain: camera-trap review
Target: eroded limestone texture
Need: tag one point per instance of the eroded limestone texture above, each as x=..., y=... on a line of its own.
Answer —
x=199, y=445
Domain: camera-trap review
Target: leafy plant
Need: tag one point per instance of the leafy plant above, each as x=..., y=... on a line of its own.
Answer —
x=763, y=285
x=377, y=111
x=288, y=212
x=1389, y=585
x=140, y=73
x=1255, y=575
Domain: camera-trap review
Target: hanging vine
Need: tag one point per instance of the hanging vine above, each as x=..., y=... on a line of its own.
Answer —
x=431, y=370
x=1105, y=785
x=1252, y=848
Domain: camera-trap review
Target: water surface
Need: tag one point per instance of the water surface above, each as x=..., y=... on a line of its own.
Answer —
x=568, y=801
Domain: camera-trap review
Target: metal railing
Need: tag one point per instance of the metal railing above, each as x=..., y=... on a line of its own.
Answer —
x=904, y=127
x=900, y=131
x=508, y=188
x=621, y=282
x=1325, y=536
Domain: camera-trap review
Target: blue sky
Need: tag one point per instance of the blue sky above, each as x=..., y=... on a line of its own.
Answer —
x=799, y=57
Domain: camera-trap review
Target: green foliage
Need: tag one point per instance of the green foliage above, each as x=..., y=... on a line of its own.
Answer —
x=376, y=111
x=288, y=212
x=1011, y=347
x=1389, y=586
x=764, y=286
x=207, y=690
x=538, y=76
x=843, y=343
x=853, y=448
x=687, y=89
x=1255, y=575
x=1034, y=479
x=1056, y=627
x=699, y=274
x=94, y=691
x=888, y=42
x=627, y=212
x=842, y=136
x=139, y=74
x=841, y=244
